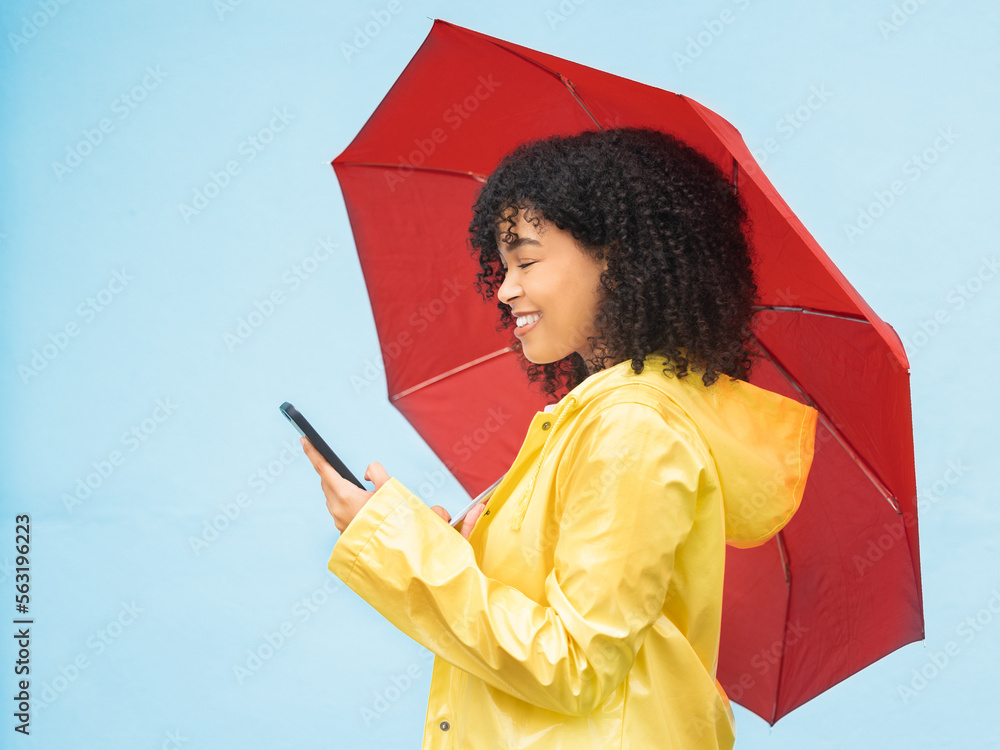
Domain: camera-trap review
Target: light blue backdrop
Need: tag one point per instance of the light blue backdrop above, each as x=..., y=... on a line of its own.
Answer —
x=119, y=366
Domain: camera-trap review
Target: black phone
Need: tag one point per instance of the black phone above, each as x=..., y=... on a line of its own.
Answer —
x=307, y=431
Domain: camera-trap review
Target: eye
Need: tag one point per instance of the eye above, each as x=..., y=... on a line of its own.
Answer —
x=525, y=265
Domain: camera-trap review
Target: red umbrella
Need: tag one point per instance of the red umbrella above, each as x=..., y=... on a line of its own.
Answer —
x=839, y=588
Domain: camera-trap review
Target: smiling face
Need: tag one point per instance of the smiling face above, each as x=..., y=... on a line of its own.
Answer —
x=548, y=272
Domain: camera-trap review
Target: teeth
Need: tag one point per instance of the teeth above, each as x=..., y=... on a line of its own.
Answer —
x=523, y=321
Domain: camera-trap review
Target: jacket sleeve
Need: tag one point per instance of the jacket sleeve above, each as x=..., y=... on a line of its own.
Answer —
x=626, y=500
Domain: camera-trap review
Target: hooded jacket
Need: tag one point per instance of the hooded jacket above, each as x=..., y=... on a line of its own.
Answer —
x=584, y=610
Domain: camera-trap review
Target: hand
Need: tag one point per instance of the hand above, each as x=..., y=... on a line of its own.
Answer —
x=344, y=499
x=468, y=522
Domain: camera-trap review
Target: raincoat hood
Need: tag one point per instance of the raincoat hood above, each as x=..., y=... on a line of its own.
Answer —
x=762, y=443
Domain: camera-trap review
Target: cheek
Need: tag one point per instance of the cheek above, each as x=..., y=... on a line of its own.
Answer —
x=584, y=298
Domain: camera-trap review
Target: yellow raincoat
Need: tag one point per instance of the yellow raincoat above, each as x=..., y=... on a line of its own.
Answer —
x=584, y=610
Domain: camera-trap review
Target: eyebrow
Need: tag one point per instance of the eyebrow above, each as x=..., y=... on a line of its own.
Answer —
x=515, y=245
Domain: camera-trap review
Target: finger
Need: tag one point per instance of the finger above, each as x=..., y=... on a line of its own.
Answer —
x=442, y=512
x=377, y=474
x=312, y=454
x=320, y=464
x=470, y=519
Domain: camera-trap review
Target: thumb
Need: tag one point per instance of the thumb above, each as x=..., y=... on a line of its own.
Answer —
x=470, y=519
x=377, y=474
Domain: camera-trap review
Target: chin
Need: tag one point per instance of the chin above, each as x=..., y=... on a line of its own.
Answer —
x=542, y=358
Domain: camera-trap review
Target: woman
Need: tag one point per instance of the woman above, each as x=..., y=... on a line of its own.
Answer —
x=580, y=607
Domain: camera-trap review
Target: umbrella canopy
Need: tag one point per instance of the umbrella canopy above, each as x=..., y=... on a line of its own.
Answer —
x=836, y=590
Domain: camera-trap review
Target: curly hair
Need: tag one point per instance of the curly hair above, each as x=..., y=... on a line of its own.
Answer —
x=680, y=279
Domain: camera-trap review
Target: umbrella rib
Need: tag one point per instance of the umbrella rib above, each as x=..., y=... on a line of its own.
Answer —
x=814, y=311
x=450, y=372
x=565, y=81
x=572, y=89
x=838, y=436
x=784, y=558
x=782, y=550
x=475, y=175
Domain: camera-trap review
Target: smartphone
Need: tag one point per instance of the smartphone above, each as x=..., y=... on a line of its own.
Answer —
x=460, y=516
x=307, y=431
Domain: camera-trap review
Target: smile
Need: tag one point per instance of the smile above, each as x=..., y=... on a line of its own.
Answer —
x=525, y=319
x=526, y=323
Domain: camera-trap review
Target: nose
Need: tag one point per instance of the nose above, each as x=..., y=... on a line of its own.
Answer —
x=508, y=289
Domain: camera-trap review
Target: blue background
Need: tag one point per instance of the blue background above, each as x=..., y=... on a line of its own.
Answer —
x=140, y=632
